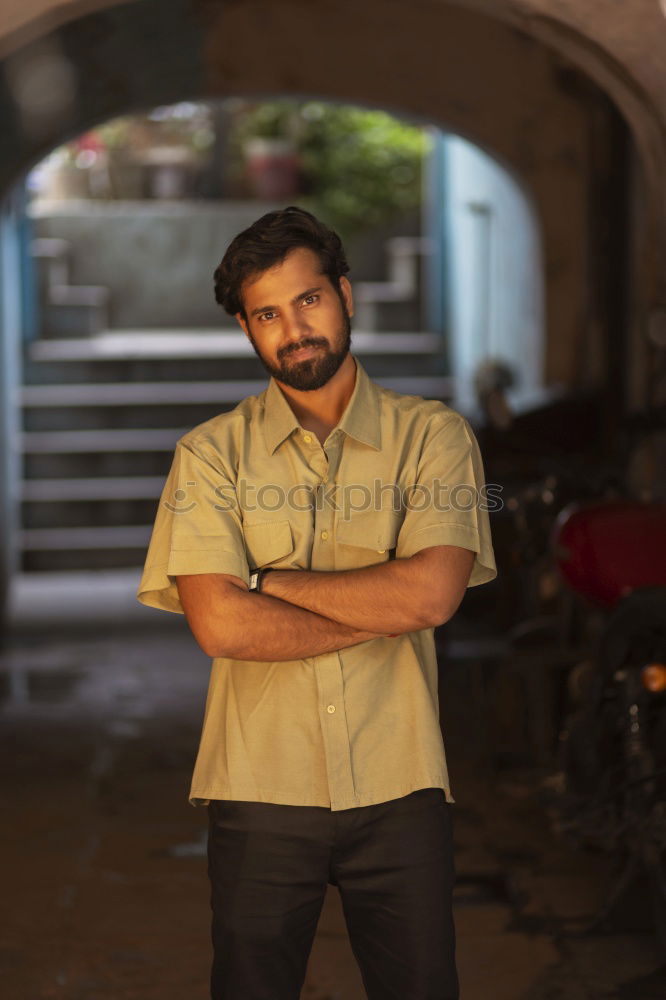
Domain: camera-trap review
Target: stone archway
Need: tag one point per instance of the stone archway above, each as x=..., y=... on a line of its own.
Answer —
x=539, y=93
x=480, y=78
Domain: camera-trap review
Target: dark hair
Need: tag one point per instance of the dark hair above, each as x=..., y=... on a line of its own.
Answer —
x=266, y=243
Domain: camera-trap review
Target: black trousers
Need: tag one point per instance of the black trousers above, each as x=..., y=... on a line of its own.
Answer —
x=269, y=866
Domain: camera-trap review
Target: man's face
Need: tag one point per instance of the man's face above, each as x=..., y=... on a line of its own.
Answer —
x=298, y=324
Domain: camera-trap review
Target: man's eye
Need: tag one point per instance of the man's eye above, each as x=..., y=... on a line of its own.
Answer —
x=266, y=316
x=310, y=298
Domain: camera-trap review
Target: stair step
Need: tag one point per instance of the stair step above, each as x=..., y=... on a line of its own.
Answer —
x=99, y=488
x=113, y=473
x=65, y=442
x=134, y=536
x=184, y=393
x=67, y=597
x=114, y=345
x=139, y=393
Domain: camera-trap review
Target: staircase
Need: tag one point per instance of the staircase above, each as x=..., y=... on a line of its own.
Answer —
x=101, y=416
x=77, y=310
x=403, y=285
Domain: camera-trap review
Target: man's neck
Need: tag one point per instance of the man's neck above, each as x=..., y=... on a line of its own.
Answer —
x=320, y=410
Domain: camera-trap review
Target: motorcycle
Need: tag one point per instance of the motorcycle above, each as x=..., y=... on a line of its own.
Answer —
x=608, y=547
x=612, y=747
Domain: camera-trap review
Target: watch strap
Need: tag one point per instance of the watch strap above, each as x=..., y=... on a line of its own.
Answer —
x=262, y=574
x=256, y=577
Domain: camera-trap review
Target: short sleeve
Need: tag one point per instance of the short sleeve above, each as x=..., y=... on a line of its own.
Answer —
x=197, y=529
x=448, y=505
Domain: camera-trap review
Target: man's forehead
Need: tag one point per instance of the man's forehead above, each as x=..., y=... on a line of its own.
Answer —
x=297, y=265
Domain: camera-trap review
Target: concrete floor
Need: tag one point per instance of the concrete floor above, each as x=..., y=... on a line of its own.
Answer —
x=105, y=891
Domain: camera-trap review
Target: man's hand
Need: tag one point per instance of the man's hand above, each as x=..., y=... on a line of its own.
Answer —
x=401, y=595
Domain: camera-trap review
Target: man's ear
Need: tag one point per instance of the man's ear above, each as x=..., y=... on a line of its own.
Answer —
x=242, y=323
x=346, y=290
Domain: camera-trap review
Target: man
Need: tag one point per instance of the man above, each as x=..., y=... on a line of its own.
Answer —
x=313, y=537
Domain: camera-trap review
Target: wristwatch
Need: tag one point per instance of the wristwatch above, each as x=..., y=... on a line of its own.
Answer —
x=256, y=576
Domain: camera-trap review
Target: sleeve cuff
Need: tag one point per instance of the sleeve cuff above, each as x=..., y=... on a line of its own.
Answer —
x=158, y=586
x=467, y=537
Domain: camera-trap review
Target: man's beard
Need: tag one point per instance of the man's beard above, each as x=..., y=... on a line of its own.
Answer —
x=319, y=368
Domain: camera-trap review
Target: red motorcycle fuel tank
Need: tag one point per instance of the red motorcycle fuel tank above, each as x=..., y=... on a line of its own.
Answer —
x=606, y=549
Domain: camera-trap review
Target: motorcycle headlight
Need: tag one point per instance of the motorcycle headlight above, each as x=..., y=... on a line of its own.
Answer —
x=653, y=676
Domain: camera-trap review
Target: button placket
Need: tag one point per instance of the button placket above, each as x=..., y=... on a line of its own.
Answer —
x=337, y=751
x=323, y=463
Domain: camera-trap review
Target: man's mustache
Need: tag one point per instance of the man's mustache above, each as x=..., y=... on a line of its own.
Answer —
x=301, y=347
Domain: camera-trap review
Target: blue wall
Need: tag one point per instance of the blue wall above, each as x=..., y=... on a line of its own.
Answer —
x=12, y=255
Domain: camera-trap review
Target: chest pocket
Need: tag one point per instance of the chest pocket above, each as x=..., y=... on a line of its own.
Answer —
x=268, y=541
x=372, y=533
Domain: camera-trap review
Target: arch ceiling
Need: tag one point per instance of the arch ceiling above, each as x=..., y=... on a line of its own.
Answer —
x=469, y=65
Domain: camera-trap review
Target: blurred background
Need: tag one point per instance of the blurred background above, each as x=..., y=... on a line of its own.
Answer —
x=496, y=174
x=121, y=229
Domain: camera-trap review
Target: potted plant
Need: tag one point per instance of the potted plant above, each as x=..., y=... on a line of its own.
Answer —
x=269, y=137
x=357, y=168
x=161, y=154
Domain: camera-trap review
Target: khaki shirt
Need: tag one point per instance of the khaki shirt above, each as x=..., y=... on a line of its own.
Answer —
x=252, y=488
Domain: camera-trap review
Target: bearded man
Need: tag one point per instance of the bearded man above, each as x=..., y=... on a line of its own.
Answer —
x=314, y=536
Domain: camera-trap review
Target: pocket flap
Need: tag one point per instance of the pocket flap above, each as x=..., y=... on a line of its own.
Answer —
x=370, y=529
x=267, y=541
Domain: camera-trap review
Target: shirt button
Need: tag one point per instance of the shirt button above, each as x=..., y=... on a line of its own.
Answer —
x=307, y=438
x=330, y=709
x=324, y=535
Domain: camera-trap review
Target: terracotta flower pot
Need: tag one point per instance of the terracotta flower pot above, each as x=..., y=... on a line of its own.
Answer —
x=274, y=168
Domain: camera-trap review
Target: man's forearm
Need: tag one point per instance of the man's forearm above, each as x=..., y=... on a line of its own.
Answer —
x=231, y=622
x=386, y=598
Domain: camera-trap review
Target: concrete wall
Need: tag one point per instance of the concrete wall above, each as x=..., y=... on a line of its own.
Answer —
x=157, y=257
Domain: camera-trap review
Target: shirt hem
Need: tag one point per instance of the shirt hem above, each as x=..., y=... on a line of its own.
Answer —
x=349, y=802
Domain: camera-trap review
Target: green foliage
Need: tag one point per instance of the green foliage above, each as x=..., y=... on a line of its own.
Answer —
x=271, y=120
x=361, y=168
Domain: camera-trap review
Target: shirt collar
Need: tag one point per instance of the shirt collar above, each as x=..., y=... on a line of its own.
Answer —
x=360, y=420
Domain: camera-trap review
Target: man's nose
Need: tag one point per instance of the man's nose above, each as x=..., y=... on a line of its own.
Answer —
x=294, y=327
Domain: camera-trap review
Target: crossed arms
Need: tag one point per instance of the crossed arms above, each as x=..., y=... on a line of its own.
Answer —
x=301, y=613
